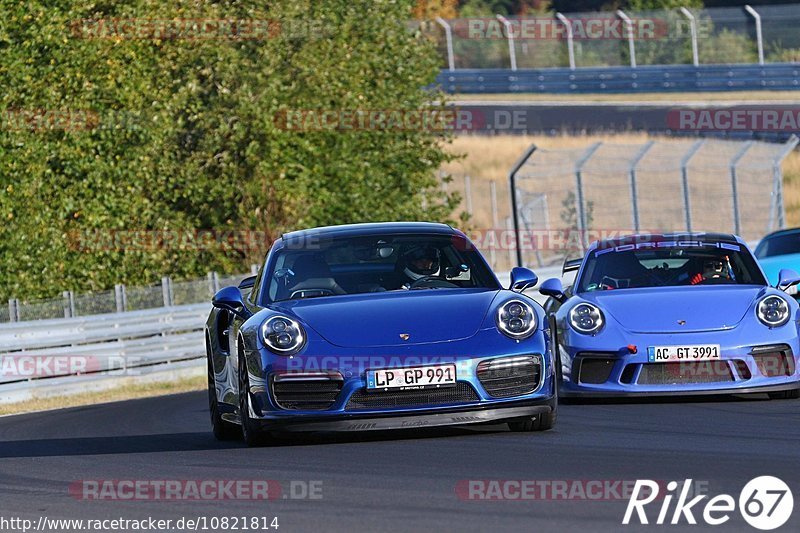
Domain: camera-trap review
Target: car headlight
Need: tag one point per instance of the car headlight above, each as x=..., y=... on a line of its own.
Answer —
x=586, y=318
x=516, y=319
x=283, y=335
x=773, y=311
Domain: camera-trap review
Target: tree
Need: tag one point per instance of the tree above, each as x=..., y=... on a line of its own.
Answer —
x=181, y=134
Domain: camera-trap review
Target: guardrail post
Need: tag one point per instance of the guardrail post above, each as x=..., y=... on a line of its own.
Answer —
x=468, y=193
x=687, y=206
x=514, y=251
x=213, y=283
x=69, y=304
x=512, y=183
x=737, y=225
x=121, y=298
x=759, y=39
x=580, y=205
x=253, y=269
x=448, y=35
x=166, y=291
x=631, y=46
x=13, y=310
x=634, y=195
x=570, y=39
x=512, y=53
x=693, y=30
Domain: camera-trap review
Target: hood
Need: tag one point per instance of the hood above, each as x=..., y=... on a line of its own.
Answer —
x=378, y=319
x=773, y=265
x=659, y=310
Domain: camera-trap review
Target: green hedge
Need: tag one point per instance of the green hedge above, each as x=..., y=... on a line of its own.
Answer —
x=179, y=133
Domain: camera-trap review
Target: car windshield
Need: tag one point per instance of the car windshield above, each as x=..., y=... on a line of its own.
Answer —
x=784, y=244
x=375, y=263
x=669, y=264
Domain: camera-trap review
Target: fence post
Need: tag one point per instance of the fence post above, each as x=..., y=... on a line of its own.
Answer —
x=69, y=304
x=495, y=222
x=468, y=193
x=777, y=184
x=512, y=53
x=759, y=39
x=737, y=223
x=166, y=291
x=631, y=46
x=570, y=39
x=448, y=35
x=512, y=183
x=121, y=297
x=693, y=30
x=13, y=310
x=687, y=206
x=634, y=195
x=580, y=205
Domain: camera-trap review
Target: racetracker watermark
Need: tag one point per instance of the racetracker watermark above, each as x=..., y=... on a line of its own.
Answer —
x=569, y=239
x=784, y=119
x=546, y=28
x=31, y=365
x=194, y=29
x=194, y=489
x=554, y=489
x=110, y=240
x=42, y=120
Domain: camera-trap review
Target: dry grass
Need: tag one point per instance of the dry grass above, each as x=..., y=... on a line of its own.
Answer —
x=489, y=158
x=674, y=98
x=126, y=392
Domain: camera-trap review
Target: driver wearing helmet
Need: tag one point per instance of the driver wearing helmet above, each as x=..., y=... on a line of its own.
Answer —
x=420, y=262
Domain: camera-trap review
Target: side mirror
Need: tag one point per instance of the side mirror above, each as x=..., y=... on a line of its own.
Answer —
x=553, y=288
x=522, y=278
x=786, y=278
x=230, y=299
x=247, y=282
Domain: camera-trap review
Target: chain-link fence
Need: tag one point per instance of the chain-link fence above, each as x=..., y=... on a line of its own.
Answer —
x=121, y=299
x=566, y=198
x=665, y=37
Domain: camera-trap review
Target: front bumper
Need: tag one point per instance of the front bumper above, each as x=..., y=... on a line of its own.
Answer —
x=767, y=363
x=452, y=416
x=350, y=407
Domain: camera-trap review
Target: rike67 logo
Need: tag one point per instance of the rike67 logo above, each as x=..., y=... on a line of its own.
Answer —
x=765, y=503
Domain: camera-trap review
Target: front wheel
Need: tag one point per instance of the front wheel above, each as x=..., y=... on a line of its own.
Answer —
x=541, y=422
x=222, y=429
x=252, y=433
x=785, y=395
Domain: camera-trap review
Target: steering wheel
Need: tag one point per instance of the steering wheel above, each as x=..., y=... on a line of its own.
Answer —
x=431, y=281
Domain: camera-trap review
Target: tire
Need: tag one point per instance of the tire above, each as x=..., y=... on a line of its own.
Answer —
x=251, y=432
x=785, y=395
x=223, y=430
x=542, y=422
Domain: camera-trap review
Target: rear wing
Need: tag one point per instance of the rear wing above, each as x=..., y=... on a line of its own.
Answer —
x=571, y=265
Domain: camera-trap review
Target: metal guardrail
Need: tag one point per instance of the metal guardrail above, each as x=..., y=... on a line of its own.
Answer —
x=112, y=345
x=671, y=78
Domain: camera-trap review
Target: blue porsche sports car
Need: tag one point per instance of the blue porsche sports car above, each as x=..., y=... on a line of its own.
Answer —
x=779, y=250
x=377, y=326
x=673, y=314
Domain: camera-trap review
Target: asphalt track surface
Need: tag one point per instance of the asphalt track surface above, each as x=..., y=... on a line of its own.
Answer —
x=400, y=481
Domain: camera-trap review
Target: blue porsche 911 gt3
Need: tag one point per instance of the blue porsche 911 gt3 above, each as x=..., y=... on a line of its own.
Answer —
x=377, y=326
x=673, y=314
